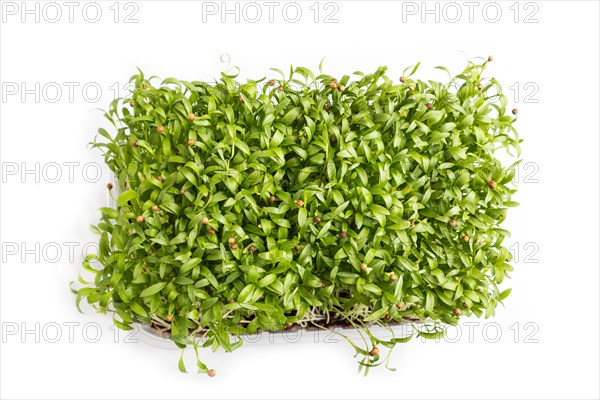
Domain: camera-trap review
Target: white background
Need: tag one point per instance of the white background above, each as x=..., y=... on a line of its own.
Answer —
x=549, y=328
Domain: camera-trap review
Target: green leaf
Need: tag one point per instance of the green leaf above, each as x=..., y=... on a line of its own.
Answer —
x=267, y=280
x=376, y=315
x=324, y=230
x=437, y=333
x=136, y=308
x=245, y=294
x=402, y=340
x=290, y=116
x=157, y=287
x=301, y=216
x=181, y=364
x=429, y=302
x=376, y=208
x=504, y=294
x=126, y=196
x=189, y=264
x=372, y=288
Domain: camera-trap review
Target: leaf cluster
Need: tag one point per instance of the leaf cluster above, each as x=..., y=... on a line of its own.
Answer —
x=303, y=200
